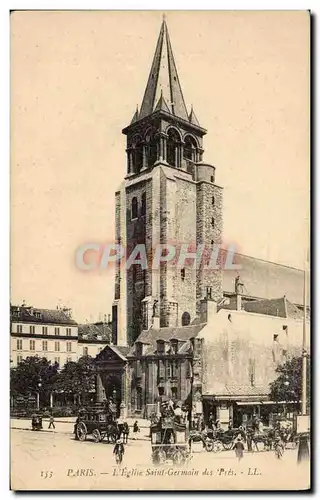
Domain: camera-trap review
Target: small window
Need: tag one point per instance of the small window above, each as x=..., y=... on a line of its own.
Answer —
x=32, y=329
x=174, y=393
x=212, y=179
x=183, y=274
x=68, y=332
x=57, y=346
x=69, y=347
x=160, y=346
x=185, y=320
x=19, y=359
x=212, y=222
x=19, y=328
x=19, y=344
x=85, y=351
x=32, y=345
x=209, y=292
x=213, y=201
x=57, y=331
x=45, y=330
x=44, y=345
x=143, y=204
x=134, y=208
x=69, y=359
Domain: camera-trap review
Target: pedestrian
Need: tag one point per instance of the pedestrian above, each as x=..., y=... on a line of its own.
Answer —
x=51, y=422
x=249, y=438
x=118, y=451
x=239, y=448
x=135, y=428
x=126, y=431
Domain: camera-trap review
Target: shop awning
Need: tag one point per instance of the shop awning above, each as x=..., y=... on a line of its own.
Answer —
x=248, y=403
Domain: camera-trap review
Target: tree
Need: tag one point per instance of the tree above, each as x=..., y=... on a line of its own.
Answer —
x=288, y=384
x=33, y=375
x=77, y=378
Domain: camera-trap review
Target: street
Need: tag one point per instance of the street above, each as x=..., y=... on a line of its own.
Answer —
x=55, y=461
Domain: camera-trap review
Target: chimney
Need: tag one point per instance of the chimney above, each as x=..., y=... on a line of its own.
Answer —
x=155, y=322
x=239, y=302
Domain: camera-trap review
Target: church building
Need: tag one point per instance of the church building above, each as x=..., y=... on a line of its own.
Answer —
x=160, y=314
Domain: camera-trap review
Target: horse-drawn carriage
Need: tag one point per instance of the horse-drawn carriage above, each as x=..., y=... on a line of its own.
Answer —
x=169, y=441
x=36, y=422
x=98, y=421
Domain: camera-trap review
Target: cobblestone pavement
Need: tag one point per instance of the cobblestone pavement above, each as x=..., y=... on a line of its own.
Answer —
x=43, y=460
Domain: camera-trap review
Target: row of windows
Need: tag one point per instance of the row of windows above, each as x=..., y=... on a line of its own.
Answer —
x=32, y=345
x=56, y=359
x=32, y=330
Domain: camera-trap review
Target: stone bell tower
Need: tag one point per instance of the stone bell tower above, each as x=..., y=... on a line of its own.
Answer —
x=169, y=196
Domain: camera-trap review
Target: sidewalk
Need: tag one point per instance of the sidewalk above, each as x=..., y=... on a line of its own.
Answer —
x=64, y=425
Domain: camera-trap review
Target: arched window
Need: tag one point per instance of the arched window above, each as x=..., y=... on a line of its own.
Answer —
x=139, y=398
x=143, y=204
x=134, y=208
x=213, y=201
x=185, y=320
x=173, y=142
x=137, y=155
x=152, y=149
x=190, y=147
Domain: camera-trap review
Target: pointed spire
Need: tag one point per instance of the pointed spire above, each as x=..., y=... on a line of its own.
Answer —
x=163, y=78
x=135, y=117
x=192, y=117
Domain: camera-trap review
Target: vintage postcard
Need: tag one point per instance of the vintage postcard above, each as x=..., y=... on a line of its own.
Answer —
x=160, y=306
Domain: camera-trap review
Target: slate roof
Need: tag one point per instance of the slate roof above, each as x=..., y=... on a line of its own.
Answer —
x=25, y=314
x=91, y=331
x=181, y=333
x=238, y=391
x=163, y=80
x=265, y=280
x=275, y=307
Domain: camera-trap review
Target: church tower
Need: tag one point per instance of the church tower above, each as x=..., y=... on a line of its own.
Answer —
x=169, y=196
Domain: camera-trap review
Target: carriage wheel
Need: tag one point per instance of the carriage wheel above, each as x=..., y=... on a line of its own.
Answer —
x=178, y=457
x=96, y=435
x=81, y=431
x=159, y=457
x=112, y=438
x=217, y=447
x=227, y=446
x=209, y=445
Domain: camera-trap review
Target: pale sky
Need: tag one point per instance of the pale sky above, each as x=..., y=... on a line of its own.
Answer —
x=76, y=78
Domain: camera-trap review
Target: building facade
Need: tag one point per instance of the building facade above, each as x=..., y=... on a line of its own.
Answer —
x=181, y=331
x=53, y=334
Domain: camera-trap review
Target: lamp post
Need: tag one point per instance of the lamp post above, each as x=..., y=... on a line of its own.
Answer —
x=303, y=449
x=38, y=395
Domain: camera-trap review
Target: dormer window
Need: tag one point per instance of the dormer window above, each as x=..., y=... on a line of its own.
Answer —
x=139, y=349
x=160, y=347
x=174, y=346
